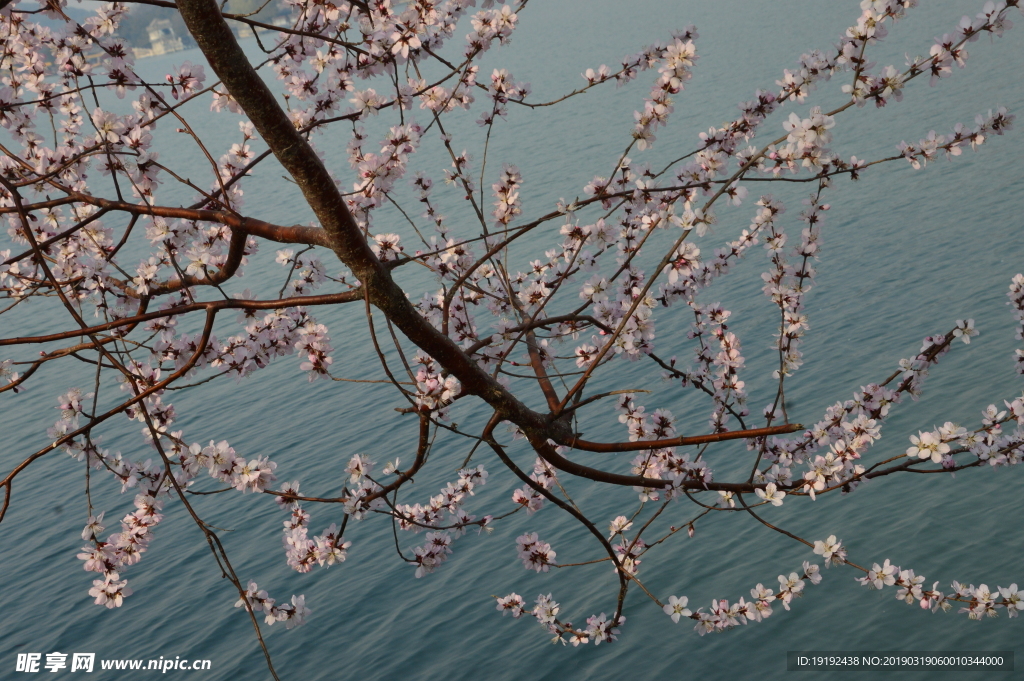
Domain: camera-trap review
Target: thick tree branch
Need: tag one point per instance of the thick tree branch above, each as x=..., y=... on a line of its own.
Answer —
x=588, y=446
x=204, y=21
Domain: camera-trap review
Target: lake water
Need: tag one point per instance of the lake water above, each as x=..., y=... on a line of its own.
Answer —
x=906, y=253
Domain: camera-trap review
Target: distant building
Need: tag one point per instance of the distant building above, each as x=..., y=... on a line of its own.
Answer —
x=162, y=39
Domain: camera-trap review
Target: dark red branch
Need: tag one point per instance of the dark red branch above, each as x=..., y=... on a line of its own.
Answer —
x=588, y=446
x=327, y=299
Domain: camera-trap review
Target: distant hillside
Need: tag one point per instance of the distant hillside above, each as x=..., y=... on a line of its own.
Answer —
x=133, y=26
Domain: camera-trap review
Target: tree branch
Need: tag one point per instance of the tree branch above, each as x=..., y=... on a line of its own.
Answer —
x=218, y=44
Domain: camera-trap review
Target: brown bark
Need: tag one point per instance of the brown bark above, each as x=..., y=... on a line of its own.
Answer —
x=346, y=239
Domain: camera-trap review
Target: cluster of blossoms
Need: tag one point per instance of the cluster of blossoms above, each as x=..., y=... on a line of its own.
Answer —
x=359, y=494
x=619, y=306
x=507, y=205
x=120, y=550
x=266, y=336
x=994, y=122
x=535, y=554
x=443, y=507
x=1016, y=296
x=545, y=476
x=990, y=443
x=676, y=61
x=806, y=143
x=225, y=465
x=325, y=549
x=387, y=246
x=628, y=553
x=434, y=392
x=852, y=426
x=314, y=343
x=719, y=360
x=786, y=284
x=149, y=477
x=490, y=25
x=307, y=268
x=980, y=600
x=292, y=614
x=600, y=628
x=723, y=615
x=662, y=463
x=301, y=552
x=502, y=89
x=439, y=99
x=379, y=172
x=661, y=425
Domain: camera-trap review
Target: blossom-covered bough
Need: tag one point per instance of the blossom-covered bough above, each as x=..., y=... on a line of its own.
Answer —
x=502, y=325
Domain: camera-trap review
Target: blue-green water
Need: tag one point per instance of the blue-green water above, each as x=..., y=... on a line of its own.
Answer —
x=906, y=253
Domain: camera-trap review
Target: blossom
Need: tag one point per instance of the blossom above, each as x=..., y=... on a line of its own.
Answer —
x=187, y=79
x=386, y=246
x=1013, y=598
x=676, y=608
x=93, y=527
x=108, y=126
x=513, y=603
x=535, y=554
x=619, y=525
x=928, y=446
x=880, y=576
x=546, y=609
x=910, y=586
x=359, y=466
x=965, y=330
x=812, y=572
x=831, y=550
x=254, y=475
x=771, y=494
x=528, y=497
x=110, y=591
